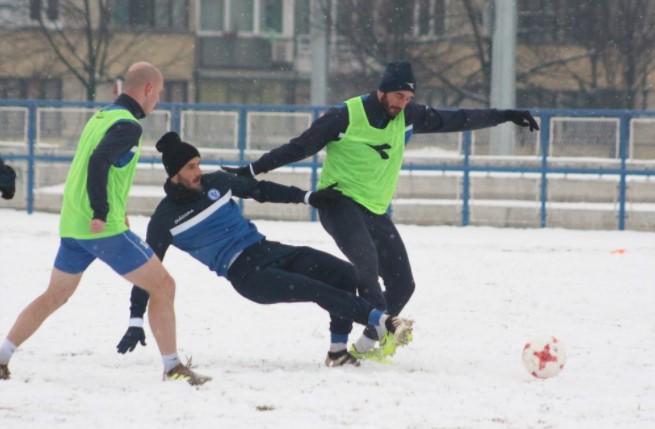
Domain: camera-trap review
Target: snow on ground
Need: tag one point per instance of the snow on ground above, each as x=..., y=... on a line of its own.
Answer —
x=481, y=293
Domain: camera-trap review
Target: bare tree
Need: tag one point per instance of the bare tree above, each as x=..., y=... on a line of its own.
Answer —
x=82, y=43
x=595, y=48
x=605, y=52
x=82, y=37
x=625, y=37
x=370, y=33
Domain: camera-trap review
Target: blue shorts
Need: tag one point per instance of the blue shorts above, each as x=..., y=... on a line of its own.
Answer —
x=124, y=252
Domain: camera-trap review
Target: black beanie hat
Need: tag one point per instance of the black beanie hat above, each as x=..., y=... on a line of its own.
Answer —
x=175, y=152
x=398, y=76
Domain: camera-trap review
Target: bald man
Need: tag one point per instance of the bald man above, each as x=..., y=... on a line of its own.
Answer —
x=93, y=223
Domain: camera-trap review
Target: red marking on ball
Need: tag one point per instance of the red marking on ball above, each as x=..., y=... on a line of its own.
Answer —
x=544, y=357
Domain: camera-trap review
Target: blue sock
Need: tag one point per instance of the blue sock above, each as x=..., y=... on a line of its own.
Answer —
x=338, y=342
x=374, y=317
x=377, y=318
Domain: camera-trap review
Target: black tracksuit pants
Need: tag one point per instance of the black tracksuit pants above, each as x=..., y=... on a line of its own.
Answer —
x=270, y=272
x=372, y=243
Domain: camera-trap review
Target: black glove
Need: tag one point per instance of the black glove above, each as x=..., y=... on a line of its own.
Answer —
x=239, y=171
x=7, y=182
x=325, y=198
x=521, y=118
x=134, y=335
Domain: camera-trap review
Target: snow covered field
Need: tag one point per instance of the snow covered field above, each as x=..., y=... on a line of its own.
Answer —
x=481, y=293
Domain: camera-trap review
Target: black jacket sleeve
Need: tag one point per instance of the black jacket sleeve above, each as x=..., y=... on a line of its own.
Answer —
x=7, y=176
x=429, y=120
x=322, y=131
x=117, y=143
x=158, y=238
x=262, y=191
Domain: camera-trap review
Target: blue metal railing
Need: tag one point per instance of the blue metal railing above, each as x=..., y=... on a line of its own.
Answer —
x=463, y=165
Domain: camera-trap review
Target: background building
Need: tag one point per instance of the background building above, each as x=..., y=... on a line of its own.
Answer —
x=583, y=54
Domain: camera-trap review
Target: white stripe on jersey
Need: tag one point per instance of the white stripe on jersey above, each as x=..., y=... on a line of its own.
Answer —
x=202, y=215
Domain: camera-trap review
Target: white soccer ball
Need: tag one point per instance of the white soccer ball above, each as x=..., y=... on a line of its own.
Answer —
x=544, y=357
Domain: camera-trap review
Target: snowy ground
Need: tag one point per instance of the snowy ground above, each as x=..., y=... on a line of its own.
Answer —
x=481, y=293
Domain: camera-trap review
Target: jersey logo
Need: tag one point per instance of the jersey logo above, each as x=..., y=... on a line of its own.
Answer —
x=182, y=217
x=380, y=149
x=213, y=194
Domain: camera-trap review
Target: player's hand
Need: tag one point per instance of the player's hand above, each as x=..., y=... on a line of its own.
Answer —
x=325, y=198
x=97, y=226
x=244, y=171
x=522, y=118
x=7, y=181
x=133, y=336
x=127, y=221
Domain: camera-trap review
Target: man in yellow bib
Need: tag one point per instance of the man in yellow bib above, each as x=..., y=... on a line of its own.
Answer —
x=93, y=223
x=365, y=139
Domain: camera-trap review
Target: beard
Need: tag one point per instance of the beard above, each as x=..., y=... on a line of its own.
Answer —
x=391, y=111
x=192, y=185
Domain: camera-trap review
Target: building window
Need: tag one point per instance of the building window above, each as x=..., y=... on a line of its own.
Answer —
x=37, y=9
x=546, y=21
x=231, y=52
x=11, y=88
x=302, y=11
x=171, y=14
x=158, y=14
x=212, y=16
x=30, y=88
x=430, y=18
x=271, y=16
x=142, y=13
x=243, y=16
x=425, y=19
x=175, y=91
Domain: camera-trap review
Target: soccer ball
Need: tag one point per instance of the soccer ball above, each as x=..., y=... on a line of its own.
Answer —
x=544, y=357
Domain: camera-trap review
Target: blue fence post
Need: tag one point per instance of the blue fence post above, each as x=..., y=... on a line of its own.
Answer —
x=544, y=139
x=31, y=149
x=466, y=182
x=241, y=139
x=314, y=175
x=243, y=130
x=624, y=138
x=176, y=119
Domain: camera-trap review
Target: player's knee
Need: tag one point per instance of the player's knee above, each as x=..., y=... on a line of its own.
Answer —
x=167, y=287
x=171, y=285
x=55, y=298
x=348, y=279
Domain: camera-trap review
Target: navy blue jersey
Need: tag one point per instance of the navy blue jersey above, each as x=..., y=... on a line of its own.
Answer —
x=209, y=224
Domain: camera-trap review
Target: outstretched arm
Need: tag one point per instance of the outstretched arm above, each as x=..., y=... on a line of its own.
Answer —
x=264, y=191
x=322, y=131
x=427, y=119
x=158, y=239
